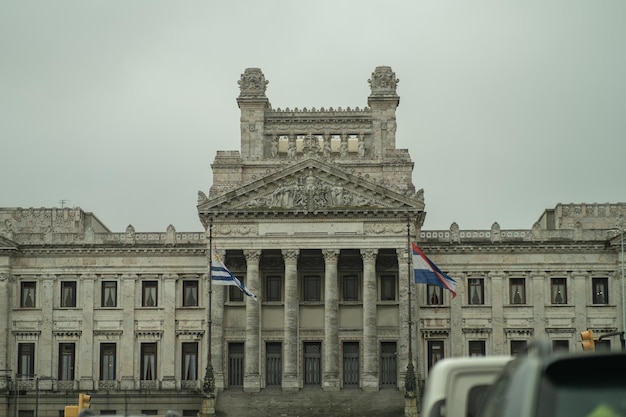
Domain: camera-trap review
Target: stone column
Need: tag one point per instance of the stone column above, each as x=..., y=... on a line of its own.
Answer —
x=579, y=292
x=457, y=338
x=86, y=358
x=331, y=323
x=48, y=295
x=127, y=348
x=290, y=362
x=370, y=328
x=168, y=346
x=252, y=375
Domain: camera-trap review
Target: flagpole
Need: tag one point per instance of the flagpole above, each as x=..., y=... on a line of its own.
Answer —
x=208, y=385
x=410, y=382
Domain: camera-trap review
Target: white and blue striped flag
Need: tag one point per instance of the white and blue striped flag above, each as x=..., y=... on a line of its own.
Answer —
x=220, y=275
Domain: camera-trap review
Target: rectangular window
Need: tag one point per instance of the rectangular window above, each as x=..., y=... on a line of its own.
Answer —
x=148, y=361
x=312, y=363
x=67, y=355
x=603, y=345
x=558, y=290
x=600, y=290
x=434, y=295
x=350, y=288
x=476, y=292
x=517, y=291
x=190, y=293
x=350, y=364
x=388, y=288
x=435, y=352
x=26, y=359
x=273, y=364
x=27, y=294
x=518, y=347
x=190, y=361
x=560, y=345
x=388, y=364
x=68, y=293
x=477, y=348
x=149, y=293
x=311, y=288
x=273, y=290
x=235, y=364
x=234, y=293
x=109, y=294
x=107, y=361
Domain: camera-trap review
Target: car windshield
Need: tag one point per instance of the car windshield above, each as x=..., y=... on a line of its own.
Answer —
x=588, y=387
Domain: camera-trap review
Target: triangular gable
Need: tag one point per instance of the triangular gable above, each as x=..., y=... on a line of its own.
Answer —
x=6, y=244
x=312, y=185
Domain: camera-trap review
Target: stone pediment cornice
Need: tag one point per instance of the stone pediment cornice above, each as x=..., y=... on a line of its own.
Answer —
x=311, y=187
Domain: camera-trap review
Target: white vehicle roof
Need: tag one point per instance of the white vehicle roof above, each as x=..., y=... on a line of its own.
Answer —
x=455, y=377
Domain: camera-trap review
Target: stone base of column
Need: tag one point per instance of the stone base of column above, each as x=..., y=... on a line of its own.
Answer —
x=370, y=383
x=331, y=383
x=410, y=406
x=291, y=384
x=252, y=383
x=208, y=407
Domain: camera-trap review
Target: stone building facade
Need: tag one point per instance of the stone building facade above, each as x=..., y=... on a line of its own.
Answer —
x=314, y=214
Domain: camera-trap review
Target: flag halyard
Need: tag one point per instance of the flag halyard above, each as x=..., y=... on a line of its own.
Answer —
x=426, y=272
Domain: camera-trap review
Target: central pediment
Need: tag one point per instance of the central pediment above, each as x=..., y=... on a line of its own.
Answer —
x=311, y=187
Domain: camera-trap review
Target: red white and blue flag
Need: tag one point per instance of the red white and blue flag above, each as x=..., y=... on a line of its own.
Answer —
x=426, y=272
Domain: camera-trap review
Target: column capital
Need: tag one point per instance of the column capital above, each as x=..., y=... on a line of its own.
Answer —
x=252, y=255
x=290, y=254
x=369, y=254
x=330, y=254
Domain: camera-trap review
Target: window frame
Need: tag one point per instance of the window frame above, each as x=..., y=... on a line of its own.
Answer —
x=517, y=283
x=476, y=348
x=67, y=358
x=104, y=291
x=193, y=286
x=273, y=288
x=476, y=282
x=388, y=287
x=28, y=288
x=350, y=287
x=148, y=367
x=555, y=284
x=312, y=288
x=434, y=295
x=108, y=352
x=436, y=352
x=26, y=359
x=596, y=283
x=147, y=287
x=68, y=288
x=189, y=350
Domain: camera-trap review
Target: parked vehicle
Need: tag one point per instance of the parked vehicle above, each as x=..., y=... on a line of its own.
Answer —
x=455, y=386
x=546, y=384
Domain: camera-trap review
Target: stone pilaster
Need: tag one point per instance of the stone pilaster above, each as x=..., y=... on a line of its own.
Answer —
x=5, y=281
x=538, y=300
x=580, y=290
x=252, y=374
x=290, y=372
x=43, y=364
x=370, y=328
x=217, y=334
x=405, y=285
x=331, y=323
x=126, y=348
x=457, y=338
x=168, y=342
x=497, y=310
x=86, y=356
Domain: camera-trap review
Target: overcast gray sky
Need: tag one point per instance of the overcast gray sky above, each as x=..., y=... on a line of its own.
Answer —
x=119, y=107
